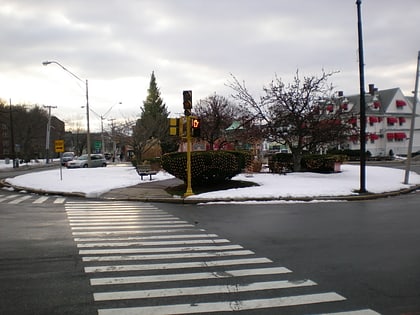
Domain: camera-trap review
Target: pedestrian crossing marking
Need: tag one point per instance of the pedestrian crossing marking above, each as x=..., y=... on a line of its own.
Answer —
x=19, y=200
x=158, y=293
x=168, y=256
x=128, y=248
x=152, y=243
x=225, y=306
x=183, y=265
x=361, y=312
x=144, y=238
x=130, y=232
x=15, y=199
x=41, y=199
x=189, y=276
x=155, y=250
x=130, y=227
x=7, y=197
x=60, y=200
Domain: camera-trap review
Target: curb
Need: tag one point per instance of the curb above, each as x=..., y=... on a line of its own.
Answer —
x=180, y=200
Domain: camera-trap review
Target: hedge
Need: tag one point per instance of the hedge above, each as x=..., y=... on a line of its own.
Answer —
x=323, y=163
x=207, y=167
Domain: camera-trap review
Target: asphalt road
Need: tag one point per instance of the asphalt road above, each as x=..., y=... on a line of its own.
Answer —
x=367, y=251
x=40, y=269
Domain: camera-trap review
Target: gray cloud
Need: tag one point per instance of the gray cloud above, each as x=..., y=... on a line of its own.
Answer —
x=196, y=44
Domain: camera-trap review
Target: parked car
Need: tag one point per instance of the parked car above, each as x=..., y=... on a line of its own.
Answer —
x=66, y=157
x=96, y=160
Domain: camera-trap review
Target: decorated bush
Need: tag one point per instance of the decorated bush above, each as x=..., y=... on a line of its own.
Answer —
x=207, y=167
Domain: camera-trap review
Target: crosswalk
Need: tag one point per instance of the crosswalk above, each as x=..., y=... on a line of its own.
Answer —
x=15, y=199
x=142, y=260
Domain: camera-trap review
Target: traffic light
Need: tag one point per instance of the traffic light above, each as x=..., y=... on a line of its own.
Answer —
x=173, y=126
x=187, y=95
x=195, y=127
x=177, y=126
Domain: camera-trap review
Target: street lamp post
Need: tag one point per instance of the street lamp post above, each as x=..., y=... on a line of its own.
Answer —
x=362, y=103
x=46, y=63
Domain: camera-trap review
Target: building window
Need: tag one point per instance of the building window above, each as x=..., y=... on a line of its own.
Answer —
x=391, y=120
x=400, y=103
x=401, y=120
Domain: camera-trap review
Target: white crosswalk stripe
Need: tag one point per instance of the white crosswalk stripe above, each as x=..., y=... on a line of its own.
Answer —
x=138, y=253
x=19, y=200
x=15, y=199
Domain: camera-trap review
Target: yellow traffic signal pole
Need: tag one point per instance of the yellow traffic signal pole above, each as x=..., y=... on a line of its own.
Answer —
x=189, y=191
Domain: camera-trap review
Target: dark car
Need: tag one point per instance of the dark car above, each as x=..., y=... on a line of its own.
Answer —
x=66, y=157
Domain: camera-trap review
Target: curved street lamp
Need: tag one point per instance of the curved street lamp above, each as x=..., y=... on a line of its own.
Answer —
x=46, y=63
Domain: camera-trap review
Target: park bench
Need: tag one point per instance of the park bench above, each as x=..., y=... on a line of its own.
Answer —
x=145, y=170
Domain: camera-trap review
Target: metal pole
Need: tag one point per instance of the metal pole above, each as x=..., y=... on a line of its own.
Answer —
x=362, y=103
x=102, y=135
x=47, y=141
x=412, y=126
x=88, y=125
x=12, y=135
x=189, y=191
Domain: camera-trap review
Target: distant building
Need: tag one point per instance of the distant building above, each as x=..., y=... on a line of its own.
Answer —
x=388, y=121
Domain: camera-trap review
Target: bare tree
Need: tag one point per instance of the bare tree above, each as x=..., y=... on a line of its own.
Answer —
x=217, y=114
x=304, y=115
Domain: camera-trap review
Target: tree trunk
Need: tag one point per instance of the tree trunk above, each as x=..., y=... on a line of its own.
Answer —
x=297, y=159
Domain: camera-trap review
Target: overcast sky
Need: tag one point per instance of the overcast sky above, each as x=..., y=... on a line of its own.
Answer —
x=194, y=45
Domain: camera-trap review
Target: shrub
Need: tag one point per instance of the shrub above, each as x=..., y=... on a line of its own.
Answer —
x=279, y=161
x=310, y=162
x=207, y=167
x=321, y=162
x=352, y=155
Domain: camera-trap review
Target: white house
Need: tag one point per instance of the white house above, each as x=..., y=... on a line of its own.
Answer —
x=388, y=122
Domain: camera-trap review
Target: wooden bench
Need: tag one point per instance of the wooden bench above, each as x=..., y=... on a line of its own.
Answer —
x=145, y=170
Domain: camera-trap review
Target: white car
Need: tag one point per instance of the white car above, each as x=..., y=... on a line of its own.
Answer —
x=96, y=160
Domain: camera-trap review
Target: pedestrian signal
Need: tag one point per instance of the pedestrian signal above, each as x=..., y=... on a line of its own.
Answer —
x=196, y=127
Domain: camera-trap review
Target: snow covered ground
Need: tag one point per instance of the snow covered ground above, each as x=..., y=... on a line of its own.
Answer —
x=97, y=181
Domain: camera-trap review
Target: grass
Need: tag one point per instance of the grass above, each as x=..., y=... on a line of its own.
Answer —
x=180, y=189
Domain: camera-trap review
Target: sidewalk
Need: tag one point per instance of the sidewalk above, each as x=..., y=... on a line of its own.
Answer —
x=151, y=191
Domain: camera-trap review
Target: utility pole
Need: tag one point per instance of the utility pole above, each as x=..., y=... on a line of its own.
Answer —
x=12, y=137
x=47, y=141
x=114, y=148
x=412, y=126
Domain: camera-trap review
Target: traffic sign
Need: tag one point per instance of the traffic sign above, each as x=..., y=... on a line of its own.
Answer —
x=59, y=146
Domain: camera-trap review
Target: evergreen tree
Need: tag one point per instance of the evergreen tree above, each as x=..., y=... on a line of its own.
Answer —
x=152, y=127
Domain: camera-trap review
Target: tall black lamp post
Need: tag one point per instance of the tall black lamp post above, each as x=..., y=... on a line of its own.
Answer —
x=362, y=103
